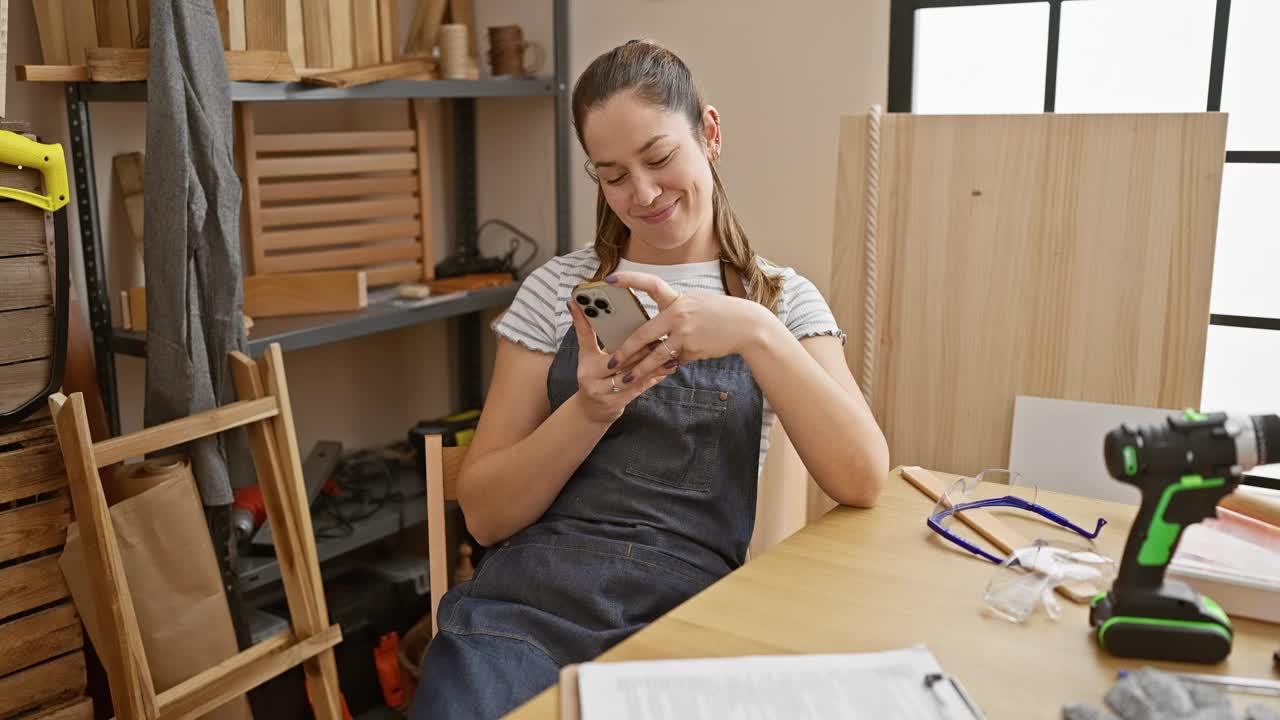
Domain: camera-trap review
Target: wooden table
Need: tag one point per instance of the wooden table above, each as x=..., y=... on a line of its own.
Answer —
x=866, y=580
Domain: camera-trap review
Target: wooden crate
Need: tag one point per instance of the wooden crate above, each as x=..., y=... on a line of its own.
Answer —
x=338, y=200
x=26, y=292
x=41, y=641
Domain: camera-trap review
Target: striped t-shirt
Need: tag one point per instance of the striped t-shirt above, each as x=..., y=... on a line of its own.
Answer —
x=539, y=319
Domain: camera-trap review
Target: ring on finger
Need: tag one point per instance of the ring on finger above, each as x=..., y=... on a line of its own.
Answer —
x=613, y=382
x=674, y=354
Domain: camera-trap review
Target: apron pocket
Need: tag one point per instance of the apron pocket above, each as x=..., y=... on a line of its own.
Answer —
x=677, y=441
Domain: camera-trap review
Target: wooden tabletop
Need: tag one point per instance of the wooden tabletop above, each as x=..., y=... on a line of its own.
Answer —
x=866, y=580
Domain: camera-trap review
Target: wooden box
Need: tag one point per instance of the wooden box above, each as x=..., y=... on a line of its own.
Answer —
x=41, y=642
x=26, y=292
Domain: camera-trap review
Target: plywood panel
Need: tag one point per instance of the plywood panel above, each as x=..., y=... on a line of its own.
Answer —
x=266, y=25
x=38, y=637
x=30, y=584
x=24, y=229
x=27, y=334
x=63, y=678
x=31, y=528
x=1062, y=256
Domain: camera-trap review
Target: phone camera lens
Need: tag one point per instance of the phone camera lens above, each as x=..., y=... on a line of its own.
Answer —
x=590, y=311
x=602, y=304
x=583, y=300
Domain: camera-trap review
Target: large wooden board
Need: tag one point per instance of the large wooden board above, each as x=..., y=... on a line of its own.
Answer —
x=1065, y=256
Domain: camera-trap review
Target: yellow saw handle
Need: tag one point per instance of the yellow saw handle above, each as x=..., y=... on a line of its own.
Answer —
x=48, y=159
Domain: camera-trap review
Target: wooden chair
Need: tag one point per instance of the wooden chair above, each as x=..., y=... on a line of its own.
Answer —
x=264, y=411
x=442, y=468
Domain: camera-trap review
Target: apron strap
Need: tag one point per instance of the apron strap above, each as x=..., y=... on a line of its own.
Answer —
x=732, y=281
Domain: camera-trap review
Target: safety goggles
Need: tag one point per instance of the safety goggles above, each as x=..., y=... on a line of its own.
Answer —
x=1020, y=494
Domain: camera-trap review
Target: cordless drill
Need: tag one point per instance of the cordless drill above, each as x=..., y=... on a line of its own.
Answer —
x=1183, y=468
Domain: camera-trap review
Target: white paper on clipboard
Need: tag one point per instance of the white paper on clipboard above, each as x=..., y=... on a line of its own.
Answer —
x=907, y=683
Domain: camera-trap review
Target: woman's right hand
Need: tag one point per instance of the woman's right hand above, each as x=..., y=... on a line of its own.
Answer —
x=597, y=381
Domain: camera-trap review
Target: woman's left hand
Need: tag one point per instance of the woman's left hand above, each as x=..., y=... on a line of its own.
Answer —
x=689, y=326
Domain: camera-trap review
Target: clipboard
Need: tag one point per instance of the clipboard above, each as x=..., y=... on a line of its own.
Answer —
x=570, y=704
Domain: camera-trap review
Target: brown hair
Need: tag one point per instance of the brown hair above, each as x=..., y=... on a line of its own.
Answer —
x=656, y=75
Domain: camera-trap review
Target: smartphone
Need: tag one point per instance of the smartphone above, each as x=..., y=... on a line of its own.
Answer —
x=614, y=312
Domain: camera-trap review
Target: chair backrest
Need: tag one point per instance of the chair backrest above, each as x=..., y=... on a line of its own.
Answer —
x=443, y=465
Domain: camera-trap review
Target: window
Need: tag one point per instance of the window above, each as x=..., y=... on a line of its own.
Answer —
x=1134, y=56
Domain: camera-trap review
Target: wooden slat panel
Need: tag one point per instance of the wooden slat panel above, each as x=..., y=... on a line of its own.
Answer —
x=31, y=528
x=113, y=24
x=27, y=334
x=251, y=229
x=140, y=22
x=22, y=381
x=305, y=293
x=315, y=27
x=183, y=430
x=30, y=584
x=224, y=22
x=265, y=25
x=237, y=675
x=418, y=108
x=340, y=235
x=42, y=684
x=23, y=225
x=294, y=34
x=389, y=30
x=52, y=31
x=24, y=282
x=35, y=638
x=316, y=141
x=417, y=68
x=330, y=259
x=79, y=19
x=236, y=30
x=27, y=432
x=80, y=710
x=342, y=211
x=31, y=470
x=364, y=33
x=137, y=308
x=340, y=33
x=393, y=274
x=336, y=164
x=322, y=189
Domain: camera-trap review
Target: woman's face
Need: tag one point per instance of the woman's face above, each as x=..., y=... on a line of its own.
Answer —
x=656, y=176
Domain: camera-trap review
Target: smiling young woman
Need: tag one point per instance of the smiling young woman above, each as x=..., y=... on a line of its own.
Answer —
x=616, y=486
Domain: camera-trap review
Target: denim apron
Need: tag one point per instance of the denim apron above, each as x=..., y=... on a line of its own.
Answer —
x=661, y=508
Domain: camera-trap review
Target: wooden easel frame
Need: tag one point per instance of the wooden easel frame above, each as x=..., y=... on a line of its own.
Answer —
x=264, y=411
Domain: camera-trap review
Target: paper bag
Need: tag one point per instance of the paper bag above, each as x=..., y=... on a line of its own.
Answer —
x=173, y=577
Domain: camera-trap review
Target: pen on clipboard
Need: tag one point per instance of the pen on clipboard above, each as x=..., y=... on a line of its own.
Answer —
x=932, y=680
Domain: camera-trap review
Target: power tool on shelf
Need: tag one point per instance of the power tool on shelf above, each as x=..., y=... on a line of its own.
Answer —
x=1183, y=468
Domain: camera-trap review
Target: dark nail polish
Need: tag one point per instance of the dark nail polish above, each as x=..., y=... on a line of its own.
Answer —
x=611, y=279
x=613, y=362
x=654, y=344
x=628, y=378
x=670, y=363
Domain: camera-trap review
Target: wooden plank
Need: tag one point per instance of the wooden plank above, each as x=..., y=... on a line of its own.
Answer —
x=22, y=381
x=114, y=64
x=295, y=37
x=31, y=584
x=138, y=308
x=127, y=168
x=52, y=73
x=28, y=334
x=79, y=710
x=24, y=179
x=112, y=17
x=365, y=40
x=315, y=25
x=412, y=68
x=24, y=228
x=316, y=141
x=31, y=470
x=126, y=321
x=24, y=282
x=305, y=293
x=52, y=31
x=336, y=164
x=140, y=23
x=224, y=22
x=389, y=30
x=339, y=235
x=238, y=675
x=236, y=19
x=182, y=430
x=123, y=656
x=323, y=189
x=31, y=528
x=4, y=54
x=392, y=274
x=260, y=66
x=418, y=108
x=340, y=34
x=80, y=21
x=35, y=638
x=25, y=434
x=266, y=25
x=332, y=259
x=251, y=211
x=425, y=31
x=339, y=211
x=59, y=679
x=322, y=674
x=464, y=12
x=433, y=454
